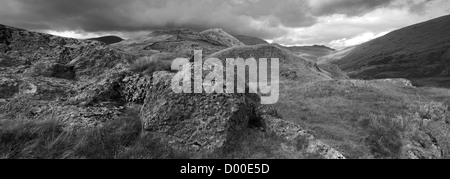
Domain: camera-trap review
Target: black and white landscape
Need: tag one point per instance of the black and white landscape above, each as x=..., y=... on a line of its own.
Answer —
x=359, y=79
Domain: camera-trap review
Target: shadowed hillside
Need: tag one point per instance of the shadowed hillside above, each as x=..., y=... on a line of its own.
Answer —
x=419, y=52
x=336, y=56
x=108, y=39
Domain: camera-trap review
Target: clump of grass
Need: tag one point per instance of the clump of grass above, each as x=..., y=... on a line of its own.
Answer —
x=121, y=137
x=385, y=137
x=388, y=135
x=150, y=64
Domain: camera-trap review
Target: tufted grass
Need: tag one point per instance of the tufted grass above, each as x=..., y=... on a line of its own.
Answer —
x=365, y=119
x=119, y=138
x=150, y=64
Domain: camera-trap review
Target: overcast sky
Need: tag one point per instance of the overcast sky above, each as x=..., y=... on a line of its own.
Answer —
x=335, y=23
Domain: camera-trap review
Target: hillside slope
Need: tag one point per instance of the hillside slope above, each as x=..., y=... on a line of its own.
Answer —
x=248, y=40
x=292, y=67
x=179, y=42
x=108, y=40
x=371, y=119
x=419, y=52
x=310, y=52
x=335, y=56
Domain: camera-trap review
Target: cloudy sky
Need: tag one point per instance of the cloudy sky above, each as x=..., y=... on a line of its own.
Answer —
x=336, y=23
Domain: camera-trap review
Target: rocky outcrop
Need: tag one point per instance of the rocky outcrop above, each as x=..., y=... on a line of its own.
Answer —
x=117, y=85
x=198, y=123
x=80, y=83
x=203, y=124
x=53, y=56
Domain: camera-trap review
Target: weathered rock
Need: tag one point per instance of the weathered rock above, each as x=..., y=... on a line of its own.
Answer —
x=293, y=132
x=74, y=117
x=117, y=85
x=69, y=116
x=198, y=123
x=44, y=88
x=42, y=75
x=134, y=88
x=51, y=54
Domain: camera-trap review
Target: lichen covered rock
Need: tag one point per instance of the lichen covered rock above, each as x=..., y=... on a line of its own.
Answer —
x=197, y=123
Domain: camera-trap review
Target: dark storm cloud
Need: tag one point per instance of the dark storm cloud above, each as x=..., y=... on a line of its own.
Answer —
x=289, y=13
x=347, y=7
x=238, y=16
x=263, y=18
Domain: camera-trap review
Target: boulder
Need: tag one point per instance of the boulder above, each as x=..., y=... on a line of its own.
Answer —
x=195, y=123
x=115, y=86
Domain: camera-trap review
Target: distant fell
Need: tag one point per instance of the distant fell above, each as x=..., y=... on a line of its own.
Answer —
x=108, y=39
x=419, y=52
x=249, y=40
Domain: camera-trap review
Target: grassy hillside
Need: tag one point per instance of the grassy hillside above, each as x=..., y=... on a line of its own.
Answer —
x=314, y=52
x=178, y=42
x=336, y=56
x=370, y=119
x=248, y=40
x=420, y=53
